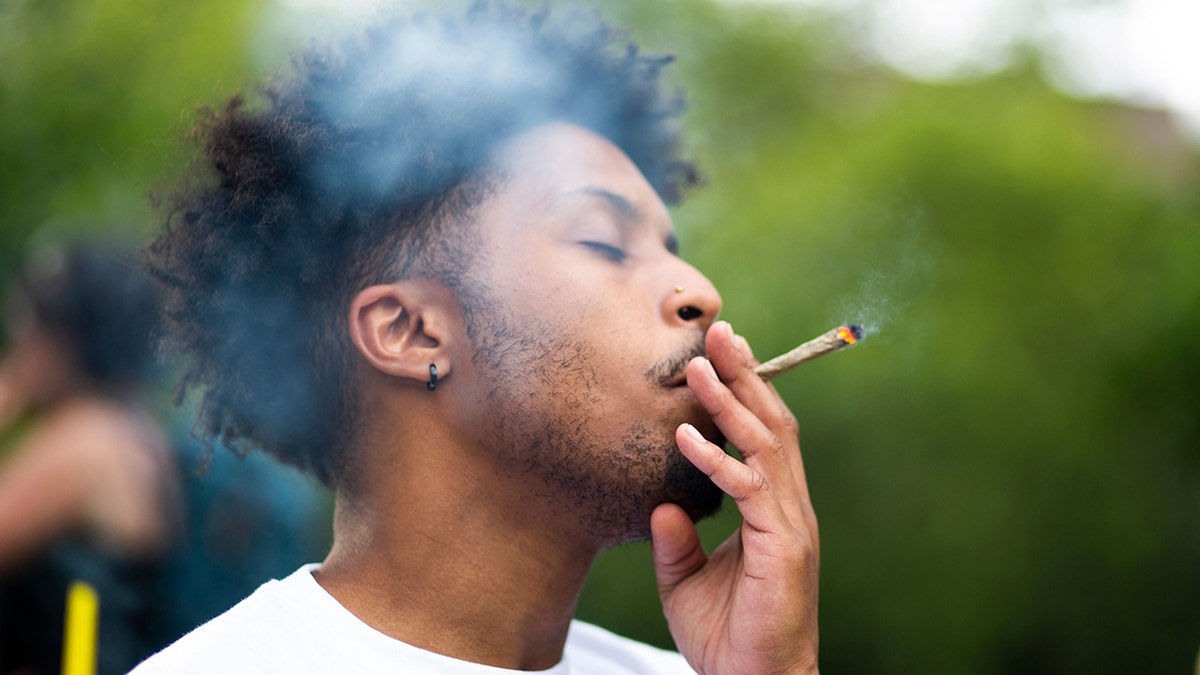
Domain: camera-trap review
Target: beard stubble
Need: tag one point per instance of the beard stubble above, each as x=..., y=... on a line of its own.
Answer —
x=541, y=416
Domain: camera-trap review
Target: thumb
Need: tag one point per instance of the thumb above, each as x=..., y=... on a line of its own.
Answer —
x=677, y=550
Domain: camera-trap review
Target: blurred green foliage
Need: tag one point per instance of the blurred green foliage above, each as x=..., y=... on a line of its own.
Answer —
x=94, y=100
x=1006, y=471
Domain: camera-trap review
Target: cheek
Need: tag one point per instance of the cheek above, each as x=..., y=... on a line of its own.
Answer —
x=532, y=286
x=567, y=302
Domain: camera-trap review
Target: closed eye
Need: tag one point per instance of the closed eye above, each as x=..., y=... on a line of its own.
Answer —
x=609, y=251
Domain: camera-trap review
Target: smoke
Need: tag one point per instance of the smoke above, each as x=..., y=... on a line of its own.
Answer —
x=423, y=79
x=884, y=293
x=355, y=167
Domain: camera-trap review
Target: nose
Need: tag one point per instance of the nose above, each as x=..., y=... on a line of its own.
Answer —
x=690, y=299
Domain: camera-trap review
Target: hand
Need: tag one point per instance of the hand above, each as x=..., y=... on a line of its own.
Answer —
x=751, y=607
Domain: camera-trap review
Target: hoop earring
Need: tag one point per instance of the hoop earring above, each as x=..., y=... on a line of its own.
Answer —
x=432, y=383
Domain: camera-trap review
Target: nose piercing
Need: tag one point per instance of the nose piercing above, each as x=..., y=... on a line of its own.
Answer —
x=432, y=383
x=679, y=289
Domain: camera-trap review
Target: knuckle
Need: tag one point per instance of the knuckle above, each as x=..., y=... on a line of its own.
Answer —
x=759, y=484
x=753, y=486
x=806, y=550
x=778, y=447
x=789, y=423
x=721, y=464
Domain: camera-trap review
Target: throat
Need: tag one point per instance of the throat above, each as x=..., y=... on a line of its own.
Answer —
x=457, y=586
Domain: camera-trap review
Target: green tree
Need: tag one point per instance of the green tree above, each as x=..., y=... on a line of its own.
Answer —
x=95, y=98
x=1006, y=469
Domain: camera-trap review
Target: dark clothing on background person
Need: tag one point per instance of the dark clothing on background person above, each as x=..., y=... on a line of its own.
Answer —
x=33, y=608
x=247, y=520
x=242, y=523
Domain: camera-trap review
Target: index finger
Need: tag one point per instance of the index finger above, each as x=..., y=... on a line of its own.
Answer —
x=734, y=363
x=730, y=355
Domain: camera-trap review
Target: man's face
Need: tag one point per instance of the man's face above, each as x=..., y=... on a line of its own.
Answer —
x=584, y=321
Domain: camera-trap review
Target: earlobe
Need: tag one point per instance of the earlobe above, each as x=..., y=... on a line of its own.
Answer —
x=402, y=328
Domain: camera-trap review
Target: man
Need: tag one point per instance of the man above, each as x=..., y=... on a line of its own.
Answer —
x=436, y=269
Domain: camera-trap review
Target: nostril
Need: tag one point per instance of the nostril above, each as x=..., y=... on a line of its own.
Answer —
x=689, y=312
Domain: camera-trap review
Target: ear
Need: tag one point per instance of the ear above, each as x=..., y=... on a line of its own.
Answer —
x=403, y=327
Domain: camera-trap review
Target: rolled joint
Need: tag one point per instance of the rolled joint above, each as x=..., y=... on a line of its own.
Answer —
x=833, y=340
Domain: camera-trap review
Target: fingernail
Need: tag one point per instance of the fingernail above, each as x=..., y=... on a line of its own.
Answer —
x=708, y=368
x=693, y=432
x=728, y=328
x=743, y=345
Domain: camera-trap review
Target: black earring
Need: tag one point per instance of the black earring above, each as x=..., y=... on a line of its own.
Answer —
x=432, y=384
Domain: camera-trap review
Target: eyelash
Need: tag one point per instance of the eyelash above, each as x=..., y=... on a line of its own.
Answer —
x=611, y=252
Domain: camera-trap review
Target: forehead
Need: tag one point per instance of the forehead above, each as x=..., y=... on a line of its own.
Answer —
x=550, y=163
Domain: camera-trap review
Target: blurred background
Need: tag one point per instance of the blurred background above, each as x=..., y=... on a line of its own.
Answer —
x=1007, y=470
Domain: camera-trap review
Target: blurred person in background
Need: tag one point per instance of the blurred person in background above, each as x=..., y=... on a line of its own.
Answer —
x=88, y=486
x=435, y=268
x=97, y=485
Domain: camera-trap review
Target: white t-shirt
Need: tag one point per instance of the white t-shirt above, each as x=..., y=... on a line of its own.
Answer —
x=294, y=626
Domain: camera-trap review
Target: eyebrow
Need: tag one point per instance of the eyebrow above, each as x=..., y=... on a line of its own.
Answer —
x=627, y=210
x=621, y=204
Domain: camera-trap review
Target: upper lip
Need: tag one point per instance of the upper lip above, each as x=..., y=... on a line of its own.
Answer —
x=673, y=370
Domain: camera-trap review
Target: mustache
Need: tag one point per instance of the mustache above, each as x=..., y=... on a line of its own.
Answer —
x=670, y=370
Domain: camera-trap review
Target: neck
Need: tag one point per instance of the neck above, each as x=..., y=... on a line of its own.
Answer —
x=417, y=558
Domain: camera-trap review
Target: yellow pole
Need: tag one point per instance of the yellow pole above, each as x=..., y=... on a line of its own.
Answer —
x=79, y=631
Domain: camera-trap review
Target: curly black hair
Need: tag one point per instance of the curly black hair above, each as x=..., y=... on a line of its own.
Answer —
x=362, y=167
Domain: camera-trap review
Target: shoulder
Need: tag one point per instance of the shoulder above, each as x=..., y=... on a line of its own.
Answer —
x=92, y=430
x=77, y=426
x=592, y=649
x=88, y=411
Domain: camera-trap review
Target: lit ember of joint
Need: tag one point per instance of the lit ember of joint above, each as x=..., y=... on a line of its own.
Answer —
x=838, y=338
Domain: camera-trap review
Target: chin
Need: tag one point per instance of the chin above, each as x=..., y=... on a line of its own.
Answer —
x=676, y=481
x=693, y=491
